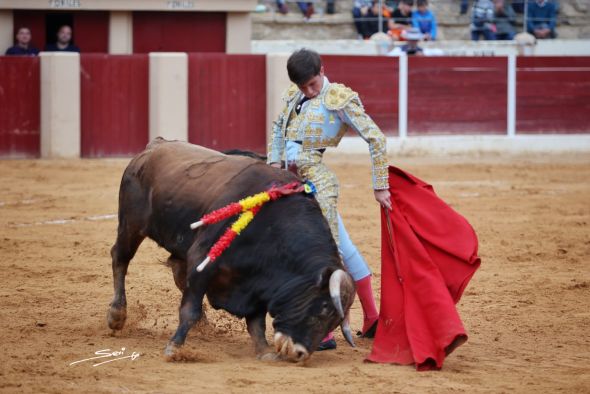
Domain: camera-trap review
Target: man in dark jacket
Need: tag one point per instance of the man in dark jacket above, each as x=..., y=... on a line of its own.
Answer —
x=23, y=44
x=64, y=41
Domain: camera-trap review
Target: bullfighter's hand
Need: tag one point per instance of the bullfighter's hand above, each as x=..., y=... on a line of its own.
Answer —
x=275, y=165
x=383, y=197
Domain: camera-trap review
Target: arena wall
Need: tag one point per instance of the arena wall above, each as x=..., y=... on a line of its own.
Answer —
x=224, y=101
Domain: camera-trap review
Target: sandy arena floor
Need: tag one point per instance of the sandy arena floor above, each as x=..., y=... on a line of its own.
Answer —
x=527, y=309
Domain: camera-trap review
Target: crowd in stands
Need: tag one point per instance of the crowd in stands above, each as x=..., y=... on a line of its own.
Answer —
x=495, y=20
x=490, y=19
x=24, y=46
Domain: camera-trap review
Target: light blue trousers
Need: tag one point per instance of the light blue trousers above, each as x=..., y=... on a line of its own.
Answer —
x=353, y=260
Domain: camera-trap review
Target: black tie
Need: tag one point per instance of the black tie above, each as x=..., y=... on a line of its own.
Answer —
x=298, y=107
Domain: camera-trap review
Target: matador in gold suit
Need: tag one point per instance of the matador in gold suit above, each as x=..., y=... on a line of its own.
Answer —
x=311, y=122
x=301, y=135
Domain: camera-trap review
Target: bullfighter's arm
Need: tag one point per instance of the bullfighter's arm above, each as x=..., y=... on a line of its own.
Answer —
x=354, y=115
x=277, y=142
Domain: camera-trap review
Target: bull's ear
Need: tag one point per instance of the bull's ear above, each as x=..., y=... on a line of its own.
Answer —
x=323, y=280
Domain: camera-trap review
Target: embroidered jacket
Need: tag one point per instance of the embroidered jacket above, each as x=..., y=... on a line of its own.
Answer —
x=323, y=121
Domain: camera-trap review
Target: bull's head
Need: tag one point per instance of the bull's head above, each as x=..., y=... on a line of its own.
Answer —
x=305, y=311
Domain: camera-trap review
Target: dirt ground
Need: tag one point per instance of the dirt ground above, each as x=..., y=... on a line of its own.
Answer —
x=527, y=310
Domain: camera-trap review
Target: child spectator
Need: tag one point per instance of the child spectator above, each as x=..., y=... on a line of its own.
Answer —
x=482, y=20
x=504, y=17
x=306, y=8
x=424, y=20
x=64, y=41
x=23, y=44
x=541, y=19
x=401, y=19
x=411, y=48
x=366, y=17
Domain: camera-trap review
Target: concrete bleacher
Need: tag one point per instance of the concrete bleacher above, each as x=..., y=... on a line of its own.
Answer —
x=573, y=21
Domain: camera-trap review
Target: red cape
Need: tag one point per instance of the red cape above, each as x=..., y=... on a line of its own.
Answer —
x=428, y=255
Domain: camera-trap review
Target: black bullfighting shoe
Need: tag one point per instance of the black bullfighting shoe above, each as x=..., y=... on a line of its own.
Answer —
x=370, y=333
x=329, y=344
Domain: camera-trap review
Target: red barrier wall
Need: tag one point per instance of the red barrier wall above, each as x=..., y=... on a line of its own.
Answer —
x=227, y=101
x=457, y=95
x=114, y=104
x=178, y=31
x=553, y=95
x=20, y=114
x=376, y=81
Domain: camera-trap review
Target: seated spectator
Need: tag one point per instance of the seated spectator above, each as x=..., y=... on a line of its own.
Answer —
x=23, y=44
x=401, y=19
x=306, y=8
x=64, y=41
x=541, y=19
x=464, y=6
x=366, y=17
x=505, y=18
x=411, y=48
x=482, y=20
x=424, y=20
x=330, y=7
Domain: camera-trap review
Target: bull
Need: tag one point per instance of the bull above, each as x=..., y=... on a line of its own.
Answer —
x=284, y=263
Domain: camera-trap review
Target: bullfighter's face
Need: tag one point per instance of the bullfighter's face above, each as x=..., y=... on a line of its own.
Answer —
x=313, y=87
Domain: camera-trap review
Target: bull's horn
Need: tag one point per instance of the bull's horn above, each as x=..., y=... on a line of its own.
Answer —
x=196, y=225
x=346, y=331
x=335, y=282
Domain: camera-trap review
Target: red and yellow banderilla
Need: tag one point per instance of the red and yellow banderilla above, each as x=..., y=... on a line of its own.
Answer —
x=248, y=207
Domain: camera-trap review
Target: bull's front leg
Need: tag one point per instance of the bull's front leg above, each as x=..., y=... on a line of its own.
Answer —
x=122, y=252
x=191, y=311
x=256, y=324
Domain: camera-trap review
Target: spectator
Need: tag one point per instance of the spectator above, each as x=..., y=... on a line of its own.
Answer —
x=424, y=20
x=366, y=17
x=464, y=6
x=482, y=20
x=504, y=17
x=64, y=41
x=23, y=44
x=306, y=8
x=411, y=48
x=541, y=19
x=330, y=7
x=401, y=19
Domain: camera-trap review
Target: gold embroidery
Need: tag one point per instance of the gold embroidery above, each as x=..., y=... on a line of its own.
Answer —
x=315, y=117
x=290, y=93
x=338, y=96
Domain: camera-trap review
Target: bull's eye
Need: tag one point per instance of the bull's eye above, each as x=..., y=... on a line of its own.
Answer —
x=325, y=306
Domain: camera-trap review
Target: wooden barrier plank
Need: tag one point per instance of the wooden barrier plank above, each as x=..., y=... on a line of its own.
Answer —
x=375, y=79
x=20, y=113
x=115, y=104
x=457, y=95
x=553, y=95
x=227, y=101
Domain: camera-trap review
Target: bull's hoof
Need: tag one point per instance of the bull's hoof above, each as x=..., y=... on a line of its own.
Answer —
x=271, y=356
x=179, y=353
x=170, y=351
x=116, y=317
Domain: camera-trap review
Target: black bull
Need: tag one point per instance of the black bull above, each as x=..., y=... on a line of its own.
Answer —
x=285, y=262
